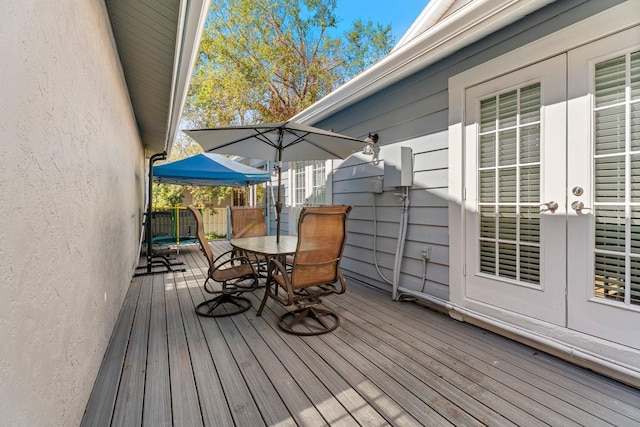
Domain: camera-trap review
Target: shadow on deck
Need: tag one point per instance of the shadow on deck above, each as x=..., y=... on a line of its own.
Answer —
x=387, y=364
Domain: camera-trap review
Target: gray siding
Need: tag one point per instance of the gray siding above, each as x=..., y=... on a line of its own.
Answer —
x=414, y=112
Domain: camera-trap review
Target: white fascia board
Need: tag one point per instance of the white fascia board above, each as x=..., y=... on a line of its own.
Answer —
x=427, y=18
x=471, y=23
x=193, y=15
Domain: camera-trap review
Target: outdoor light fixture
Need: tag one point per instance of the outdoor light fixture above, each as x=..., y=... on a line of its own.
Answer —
x=370, y=141
x=274, y=171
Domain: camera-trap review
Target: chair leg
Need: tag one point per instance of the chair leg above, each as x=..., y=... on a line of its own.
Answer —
x=223, y=305
x=323, y=321
x=267, y=290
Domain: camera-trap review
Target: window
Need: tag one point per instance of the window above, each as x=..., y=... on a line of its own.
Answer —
x=239, y=197
x=509, y=184
x=616, y=117
x=309, y=184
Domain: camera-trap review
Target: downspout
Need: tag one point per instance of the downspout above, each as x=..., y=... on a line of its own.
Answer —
x=402, y=234
x=375, y=239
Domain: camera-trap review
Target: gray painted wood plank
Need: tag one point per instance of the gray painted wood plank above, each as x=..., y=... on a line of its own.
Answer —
x=231, y=399
x=603, y=395
x=129, y=402
x=213, y=402
x=374, y=397
x=608, y=391
x=562, y=400
x=386, y=364
x=362, y=412
x=272, y=408
x=317, y=392
x=332, y=346
x=447, y=354
x=409, y=403
x=417, y=389
x=273, y=411
x=101, y=402
x=289, y=391
x=599, y=402
x=452, y=384
x=185, y=405
x=157, y=395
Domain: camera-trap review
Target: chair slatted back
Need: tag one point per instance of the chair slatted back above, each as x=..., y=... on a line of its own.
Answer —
x=202, y=238
x=247, y=221
x=322, y=233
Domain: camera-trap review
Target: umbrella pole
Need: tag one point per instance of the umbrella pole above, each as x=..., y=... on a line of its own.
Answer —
x=279, y=203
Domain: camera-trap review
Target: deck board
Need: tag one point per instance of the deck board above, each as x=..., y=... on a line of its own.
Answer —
x=388, y=363
x=450, y=349
x=456, y=387
x=213, y=401
x=157, y=396
x=483, y=367
x=103, y=396
x=537, y=379
x=130, y=398
x=185, y=403
x=232, y=390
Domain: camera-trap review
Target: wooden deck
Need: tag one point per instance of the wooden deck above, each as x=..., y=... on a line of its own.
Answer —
x=387, y=364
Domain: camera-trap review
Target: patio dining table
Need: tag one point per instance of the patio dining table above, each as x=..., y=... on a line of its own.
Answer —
x=267, y=246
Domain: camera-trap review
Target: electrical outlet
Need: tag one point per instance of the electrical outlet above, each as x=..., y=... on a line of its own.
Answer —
x=426, y=252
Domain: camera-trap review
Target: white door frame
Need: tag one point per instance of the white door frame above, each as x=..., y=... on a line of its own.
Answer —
x=595, y=353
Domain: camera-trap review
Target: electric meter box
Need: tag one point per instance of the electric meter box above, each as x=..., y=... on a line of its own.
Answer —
x=398, y=167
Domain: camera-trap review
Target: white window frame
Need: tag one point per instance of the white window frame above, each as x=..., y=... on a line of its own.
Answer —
x=291, y=191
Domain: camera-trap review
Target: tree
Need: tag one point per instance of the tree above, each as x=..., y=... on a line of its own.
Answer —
x=267, y=60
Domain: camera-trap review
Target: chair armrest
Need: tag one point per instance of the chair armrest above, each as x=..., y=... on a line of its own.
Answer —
x=276, y=267
x=233, y=254
x=232, y=260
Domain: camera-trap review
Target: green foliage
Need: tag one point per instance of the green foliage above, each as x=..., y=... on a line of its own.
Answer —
x=167, y=195
x=209, y=197
x=267, y=60
x=213, y=236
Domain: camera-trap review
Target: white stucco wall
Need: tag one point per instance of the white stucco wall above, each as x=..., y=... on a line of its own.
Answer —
x=71, y=198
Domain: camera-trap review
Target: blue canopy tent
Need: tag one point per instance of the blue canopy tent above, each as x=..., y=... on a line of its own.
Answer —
x=209, y=169
x=206, y=169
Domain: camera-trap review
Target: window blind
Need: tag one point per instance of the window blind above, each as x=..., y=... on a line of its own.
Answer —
x=509, y=184
x=616, y=184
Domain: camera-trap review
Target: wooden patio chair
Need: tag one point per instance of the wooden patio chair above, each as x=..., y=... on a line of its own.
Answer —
x=233, y=274
x=248, y=221
x=315, y=272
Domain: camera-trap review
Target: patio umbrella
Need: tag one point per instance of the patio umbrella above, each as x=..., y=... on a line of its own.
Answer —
x=277, y=142
x=209, y=169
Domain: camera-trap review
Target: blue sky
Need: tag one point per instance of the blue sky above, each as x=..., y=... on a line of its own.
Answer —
x=400, y=14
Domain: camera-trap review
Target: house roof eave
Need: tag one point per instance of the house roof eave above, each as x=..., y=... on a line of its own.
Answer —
x=157, y=44
x=468, y=25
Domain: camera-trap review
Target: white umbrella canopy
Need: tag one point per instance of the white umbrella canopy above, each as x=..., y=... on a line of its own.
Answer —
x=277, y=142
x=282, y=141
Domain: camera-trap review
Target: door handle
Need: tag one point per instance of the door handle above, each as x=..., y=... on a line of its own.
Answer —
x=579, y=206
x=550, y=206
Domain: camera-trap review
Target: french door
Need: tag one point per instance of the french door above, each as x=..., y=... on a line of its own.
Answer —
x=603, y=174
x=552, y=180
x=515, y=181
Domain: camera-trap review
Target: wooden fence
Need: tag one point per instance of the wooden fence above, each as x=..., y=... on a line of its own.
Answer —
x=166, y=222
